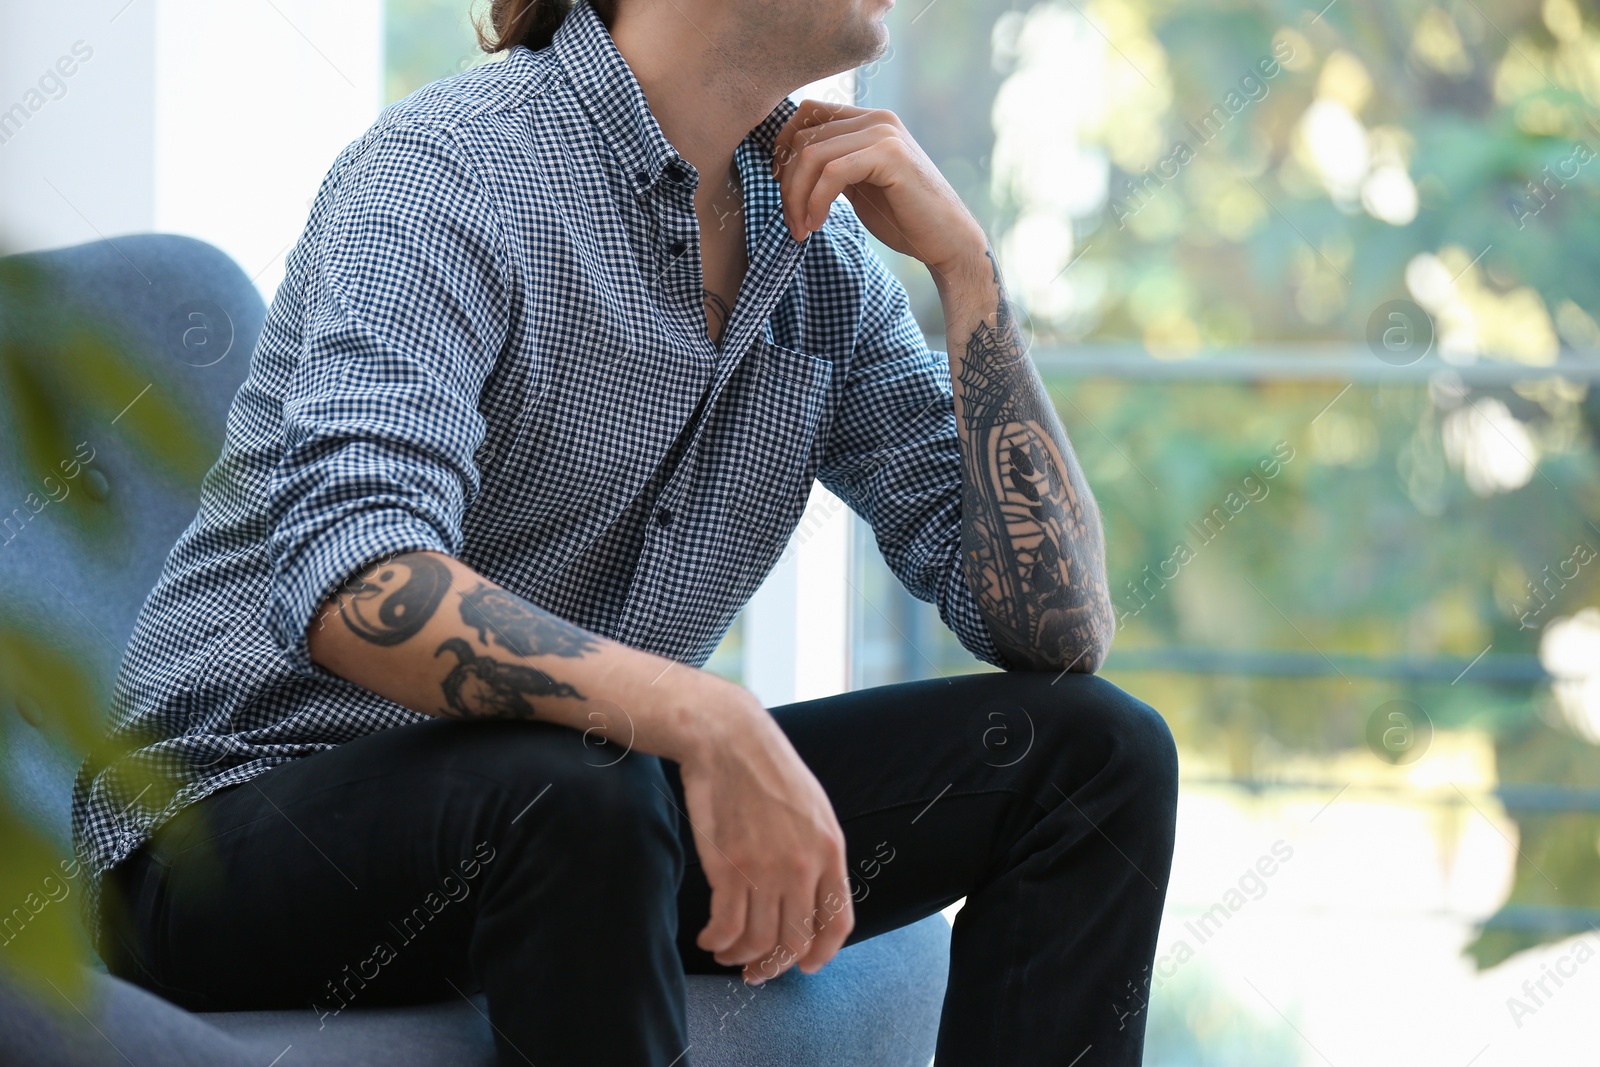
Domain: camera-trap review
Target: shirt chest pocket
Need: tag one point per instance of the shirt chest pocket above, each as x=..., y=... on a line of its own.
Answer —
x=769, y=440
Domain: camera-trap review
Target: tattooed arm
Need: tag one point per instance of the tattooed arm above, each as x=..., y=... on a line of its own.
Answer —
x=426, y=631
x=1031, y=542
x=1031, y=547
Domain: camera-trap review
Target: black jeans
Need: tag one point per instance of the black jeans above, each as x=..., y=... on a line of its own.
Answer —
x=525, y=861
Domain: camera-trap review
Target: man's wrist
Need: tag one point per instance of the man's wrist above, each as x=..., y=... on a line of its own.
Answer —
x=973, y=267
x=706, y=710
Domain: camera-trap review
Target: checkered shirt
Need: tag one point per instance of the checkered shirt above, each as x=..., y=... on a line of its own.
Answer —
x=491, y=342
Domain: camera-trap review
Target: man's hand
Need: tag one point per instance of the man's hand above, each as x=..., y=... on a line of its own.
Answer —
x=866, y=154
x=765, y=831
x=768, y=840
x=1032, y=547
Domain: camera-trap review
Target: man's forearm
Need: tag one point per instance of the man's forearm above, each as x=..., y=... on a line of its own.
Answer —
x=1031, y=539
x=426, y=631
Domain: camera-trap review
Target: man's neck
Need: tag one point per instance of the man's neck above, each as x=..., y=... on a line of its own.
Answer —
x=704, y=101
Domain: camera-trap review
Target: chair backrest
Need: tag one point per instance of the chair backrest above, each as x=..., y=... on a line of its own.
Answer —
x=186, y=314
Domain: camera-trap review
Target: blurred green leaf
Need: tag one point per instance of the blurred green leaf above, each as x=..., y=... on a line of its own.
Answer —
x=60, y=372
x=37, y=417
x=149, y=417
x=52, y=686
x=41, y=939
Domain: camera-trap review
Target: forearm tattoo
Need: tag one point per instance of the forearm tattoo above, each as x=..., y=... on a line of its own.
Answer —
x=394, y=601
x=1031, y=536
x=505, y=619
x=482, y=687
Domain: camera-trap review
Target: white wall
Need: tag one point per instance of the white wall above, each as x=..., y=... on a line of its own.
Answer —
x=254, y=99
x=213, y=119
x=76, y=152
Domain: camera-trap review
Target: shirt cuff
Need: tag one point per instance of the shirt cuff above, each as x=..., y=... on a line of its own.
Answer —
x=962, y=616
x=343, y=550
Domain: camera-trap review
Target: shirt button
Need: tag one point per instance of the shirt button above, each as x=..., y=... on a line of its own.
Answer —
x=678, y=248
x=643, y=177
x=664, y=517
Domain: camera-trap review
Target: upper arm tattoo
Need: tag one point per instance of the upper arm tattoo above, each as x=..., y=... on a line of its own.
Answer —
x=1031, y=538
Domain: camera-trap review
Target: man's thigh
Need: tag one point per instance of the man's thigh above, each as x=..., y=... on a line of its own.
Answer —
x=936, y=782
x=351, y=877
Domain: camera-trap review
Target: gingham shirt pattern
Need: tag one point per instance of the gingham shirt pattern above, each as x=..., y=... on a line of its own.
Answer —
x=490, y=342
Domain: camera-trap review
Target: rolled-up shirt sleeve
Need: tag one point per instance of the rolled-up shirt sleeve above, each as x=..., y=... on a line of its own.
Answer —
x=893, y=454
x=403, y=310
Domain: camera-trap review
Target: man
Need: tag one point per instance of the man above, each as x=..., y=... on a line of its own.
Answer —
x=536, y=409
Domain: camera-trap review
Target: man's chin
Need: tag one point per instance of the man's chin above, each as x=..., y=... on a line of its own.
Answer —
x=868, y=41
x=872, y=41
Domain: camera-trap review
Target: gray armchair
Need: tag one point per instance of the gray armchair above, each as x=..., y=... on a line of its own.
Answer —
x=191, y=318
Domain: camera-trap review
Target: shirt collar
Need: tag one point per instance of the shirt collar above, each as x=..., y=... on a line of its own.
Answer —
x=612, y=96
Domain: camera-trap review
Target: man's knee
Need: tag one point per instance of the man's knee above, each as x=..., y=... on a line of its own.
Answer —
x=1130, y=737
x=1141, y=736
x=615, y=827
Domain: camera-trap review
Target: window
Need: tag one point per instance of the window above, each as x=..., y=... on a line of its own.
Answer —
x=1304, y=295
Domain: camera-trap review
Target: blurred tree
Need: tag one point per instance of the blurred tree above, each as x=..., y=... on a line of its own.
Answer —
x=1272, y=173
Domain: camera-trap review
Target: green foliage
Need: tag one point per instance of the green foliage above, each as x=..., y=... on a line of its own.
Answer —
x=1256, y=234
x=44, y=942
x=1558, y=863
x=57, y=371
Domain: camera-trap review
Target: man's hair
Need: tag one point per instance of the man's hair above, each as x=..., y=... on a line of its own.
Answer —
x=530, y=23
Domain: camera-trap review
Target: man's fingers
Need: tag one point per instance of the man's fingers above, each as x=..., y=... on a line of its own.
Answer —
x=876, y=165
x=803, y=138
x=760, y=931
x=729, y=906
x=799, y=187
x=811, y=187
x=809, y=113
x=781, y=956
x=836, y=917
x=795, y=933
